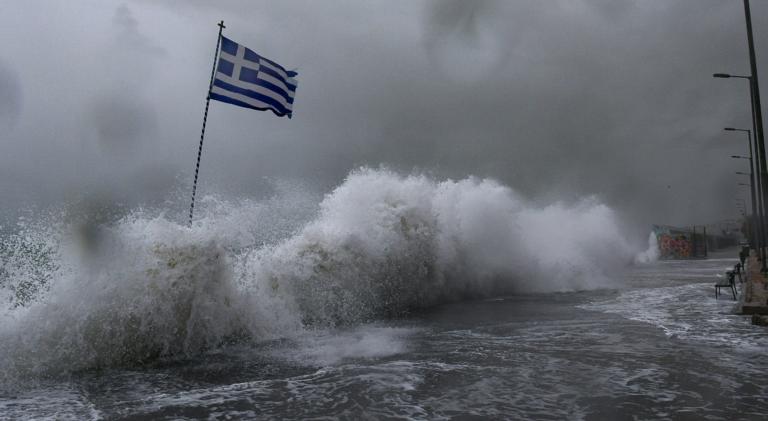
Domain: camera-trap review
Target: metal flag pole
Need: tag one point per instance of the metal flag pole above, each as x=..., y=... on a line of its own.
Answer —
x=205, y=118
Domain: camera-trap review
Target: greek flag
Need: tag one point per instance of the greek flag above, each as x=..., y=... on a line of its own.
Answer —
x=249, y=80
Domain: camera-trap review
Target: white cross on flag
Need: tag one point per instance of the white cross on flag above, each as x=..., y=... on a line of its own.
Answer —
x=249, y=80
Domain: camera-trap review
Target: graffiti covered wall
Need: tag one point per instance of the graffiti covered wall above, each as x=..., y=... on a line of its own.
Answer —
x=673, y=245
x=695, y=241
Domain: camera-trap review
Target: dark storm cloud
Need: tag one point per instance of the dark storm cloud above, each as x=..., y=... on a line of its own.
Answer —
x=616, y=100
x=460, y=19
x=10, y=97
x=122, y=123
x=121, y=115
x=129, y=37
x=558, y=99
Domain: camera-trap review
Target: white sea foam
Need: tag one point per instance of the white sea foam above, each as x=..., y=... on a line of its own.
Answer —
x=652, y=253
x=321, y=348
x=379, y=245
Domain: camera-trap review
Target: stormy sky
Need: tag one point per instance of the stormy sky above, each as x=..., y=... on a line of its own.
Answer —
x=557, y=99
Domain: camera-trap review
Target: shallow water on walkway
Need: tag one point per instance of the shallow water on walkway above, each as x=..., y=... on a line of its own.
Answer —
x=660, y=348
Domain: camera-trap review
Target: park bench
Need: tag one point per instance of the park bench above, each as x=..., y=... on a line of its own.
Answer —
x=729, y=282
x=737, y=268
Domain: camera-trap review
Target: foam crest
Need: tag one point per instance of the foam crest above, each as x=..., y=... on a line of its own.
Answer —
x=380, y=245
x=652, y=253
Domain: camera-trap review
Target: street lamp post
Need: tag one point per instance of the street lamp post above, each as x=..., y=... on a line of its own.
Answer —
x=740, y=205
x=757, y=211
x=742, y=208
x=757, y=114
x=751, y=184
x=760, y=170
x=762, y=176
x=757, y=122
x=759, y=239
x=752, y=200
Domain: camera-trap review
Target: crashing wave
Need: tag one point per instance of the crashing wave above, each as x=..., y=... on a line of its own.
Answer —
x=652, y=253
x=380, y=245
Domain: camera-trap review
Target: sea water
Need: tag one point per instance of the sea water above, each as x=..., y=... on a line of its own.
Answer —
x=391, y=296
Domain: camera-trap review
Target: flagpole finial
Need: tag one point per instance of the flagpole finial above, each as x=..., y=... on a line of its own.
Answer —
x=221, y=25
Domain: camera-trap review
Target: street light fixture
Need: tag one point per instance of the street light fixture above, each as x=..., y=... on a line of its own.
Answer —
x=726, y=76
x=759, y=165
x=740, y=206
x=755, y=194
x=757, y=127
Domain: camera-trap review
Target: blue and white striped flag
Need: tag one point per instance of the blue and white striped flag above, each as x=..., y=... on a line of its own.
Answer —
x=249, y=80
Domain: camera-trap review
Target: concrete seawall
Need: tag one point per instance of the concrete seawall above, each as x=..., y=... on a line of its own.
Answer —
x=754, y=298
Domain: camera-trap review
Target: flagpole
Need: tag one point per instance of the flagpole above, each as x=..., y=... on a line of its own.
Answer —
x=205, y=118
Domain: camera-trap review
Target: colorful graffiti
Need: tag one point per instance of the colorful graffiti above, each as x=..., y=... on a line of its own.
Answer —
x=674, y=246
x=694, y=241
x=673, y=243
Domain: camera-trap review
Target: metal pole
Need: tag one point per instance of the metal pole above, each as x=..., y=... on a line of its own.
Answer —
x=693, y=241
x=205, y=118
x=755, y=223
x=759, y=176
x=757, y=213
x=758, y=118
